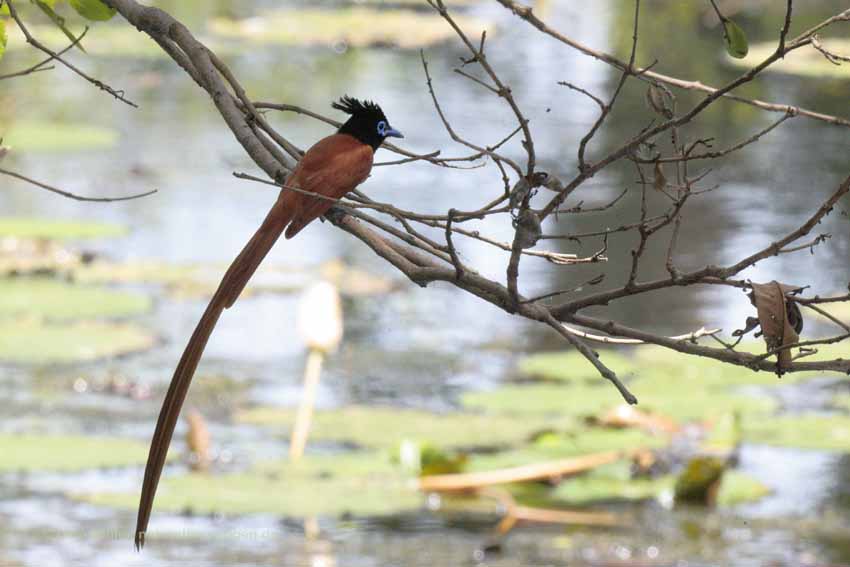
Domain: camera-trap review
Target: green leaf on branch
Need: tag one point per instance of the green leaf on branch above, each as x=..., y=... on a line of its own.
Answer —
x=46, y=6
x=736, y=39
x=2, y=38
x=93, y=10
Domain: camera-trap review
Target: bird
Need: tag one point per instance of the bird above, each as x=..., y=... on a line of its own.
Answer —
x=331, y=168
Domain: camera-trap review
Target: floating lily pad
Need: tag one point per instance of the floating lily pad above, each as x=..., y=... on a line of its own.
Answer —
x=804, y=62
x=196, y=280
x=724, y=436
x=56, y=300
x=57, y=230
x=579, y=399
x=739, y=488
x=652, y=364
x=608, y=483
x=387, y=427
x=189, y=281
x=687, y=369
x=32, y=341
x=613, y=482
x=572, y=366
x=668, y=398
x=20, y=257
x=362, y=484
x=563, y=445
x=665, y=382
x=179, y=276
x=37, y=136
x=823, y=432
x=29, y=452
x=358, y=27
x=696, y=399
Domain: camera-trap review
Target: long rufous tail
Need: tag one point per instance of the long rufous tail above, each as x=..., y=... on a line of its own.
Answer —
x=231, y=286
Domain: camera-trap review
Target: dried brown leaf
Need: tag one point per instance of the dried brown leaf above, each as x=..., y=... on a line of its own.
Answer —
x=657, y=100
x=660, y=178
x=528, y=229
x=773, y=311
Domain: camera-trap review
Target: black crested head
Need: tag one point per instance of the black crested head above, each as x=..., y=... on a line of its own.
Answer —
x=367, y=123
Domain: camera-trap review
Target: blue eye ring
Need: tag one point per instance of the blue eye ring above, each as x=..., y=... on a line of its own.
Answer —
x=382, y=127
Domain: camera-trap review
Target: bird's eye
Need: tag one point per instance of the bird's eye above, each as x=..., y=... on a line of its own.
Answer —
x=382, y=127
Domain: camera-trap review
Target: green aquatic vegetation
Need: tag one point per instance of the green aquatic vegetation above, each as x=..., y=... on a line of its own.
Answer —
x=666, y=382
x=696, y=399
x=387, y=427
x=670, y=384
x=360, y=484
x=180, y=280
x=34, y=341
x=672, y=398
x=808, y=431
x=426, y=459
x=660, y=363
x=613, y=482
x=552, y=446
x=201, y=280
x=653, y=364
x=571, y=366
x=580, y=399
x=57, y=230
x=690, y=387
x=43, y=136
x=66, y=453
x=609, y=483
x=57, y=300
x=696, y=482
x=804, y=62
x=724, y=436
x=739, y=488
x=355, y=26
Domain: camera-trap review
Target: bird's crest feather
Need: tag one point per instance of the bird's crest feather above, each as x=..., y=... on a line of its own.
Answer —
x=352, y=105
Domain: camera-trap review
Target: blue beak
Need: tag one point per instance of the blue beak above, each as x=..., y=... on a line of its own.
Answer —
x=393, y=133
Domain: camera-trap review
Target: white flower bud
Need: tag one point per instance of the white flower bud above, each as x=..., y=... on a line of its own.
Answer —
x=320, y=317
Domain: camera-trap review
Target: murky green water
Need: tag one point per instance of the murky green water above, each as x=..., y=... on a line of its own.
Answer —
x=416, y=347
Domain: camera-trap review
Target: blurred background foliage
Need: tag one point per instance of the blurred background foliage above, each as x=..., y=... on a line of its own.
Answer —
x=97, y=301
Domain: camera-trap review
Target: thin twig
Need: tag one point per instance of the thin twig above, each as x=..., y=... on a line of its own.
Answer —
x=74, y=196
x=57, y=57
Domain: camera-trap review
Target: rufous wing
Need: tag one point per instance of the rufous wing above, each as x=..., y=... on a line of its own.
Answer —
x=331, y=168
